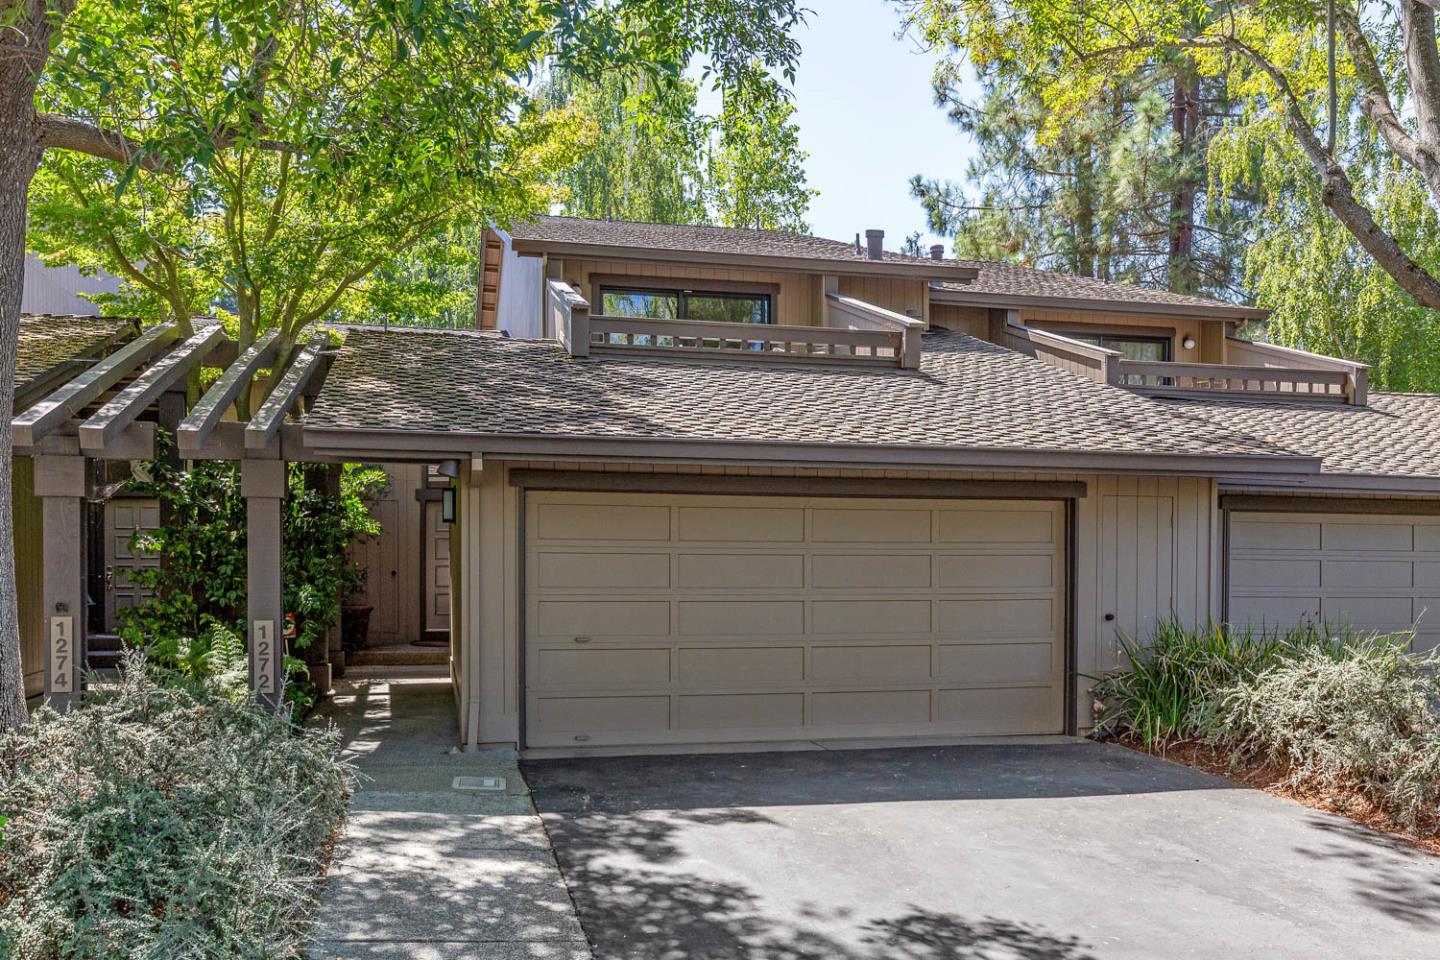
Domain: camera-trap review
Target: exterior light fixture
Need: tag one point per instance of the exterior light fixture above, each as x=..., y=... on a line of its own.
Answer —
x=447, y=505
x=1188, y=343
x=448, y=468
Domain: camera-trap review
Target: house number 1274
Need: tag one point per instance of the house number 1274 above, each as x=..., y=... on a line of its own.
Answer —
x=62, y=654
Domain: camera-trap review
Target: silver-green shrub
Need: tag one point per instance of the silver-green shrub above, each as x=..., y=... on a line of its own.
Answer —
x=1365, y=718
x=164, y=822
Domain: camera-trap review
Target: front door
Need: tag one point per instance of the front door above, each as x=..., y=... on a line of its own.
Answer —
x=124, y=518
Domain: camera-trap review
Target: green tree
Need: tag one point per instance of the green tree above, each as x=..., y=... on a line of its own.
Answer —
x=303, y=146
x=1272, y=56
x=657, y=158
x=1115, y=188
x=645, y=161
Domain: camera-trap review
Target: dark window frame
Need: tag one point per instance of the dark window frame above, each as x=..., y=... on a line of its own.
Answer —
x=657, y=286
x=1105, y=337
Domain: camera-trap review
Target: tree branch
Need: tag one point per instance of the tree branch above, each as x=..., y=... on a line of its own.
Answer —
x=1338, y=193
x=63, y=133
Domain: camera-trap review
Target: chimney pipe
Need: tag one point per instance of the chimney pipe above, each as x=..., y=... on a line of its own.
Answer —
x=875, y=242
x=937, y=251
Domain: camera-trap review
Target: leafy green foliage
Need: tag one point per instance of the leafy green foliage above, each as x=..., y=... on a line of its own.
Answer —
x=281, y=154
x=199, y=590
x=1166, y=691
x=160, y=821
x=1363, y=718
x=657, y=159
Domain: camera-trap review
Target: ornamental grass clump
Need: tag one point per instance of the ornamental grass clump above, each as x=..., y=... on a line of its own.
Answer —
x=164, y=821
x=1364, y=720
x=1167, y=689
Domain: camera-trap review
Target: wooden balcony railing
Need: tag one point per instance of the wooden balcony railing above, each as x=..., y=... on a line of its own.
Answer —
x=1265, y=372
x=869, y=336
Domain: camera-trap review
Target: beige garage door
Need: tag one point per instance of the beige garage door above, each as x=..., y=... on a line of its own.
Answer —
x=657, y=619
x=1372, y=572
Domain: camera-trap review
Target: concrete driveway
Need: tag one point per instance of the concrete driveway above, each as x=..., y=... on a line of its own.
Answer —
x=1042, y=852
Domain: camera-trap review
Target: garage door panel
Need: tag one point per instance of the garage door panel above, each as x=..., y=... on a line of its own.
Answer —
x=1276, y=573
x=700, y=666
x=997, y=526
x=990, y=663
x=602, y=665
x=869, y=707
x=1427, y=574
x=742, y=524
x=1354, y=536
x=889, y=663
x=870, y=617
x=1276, y=534
x=997, y=710
x=1381, y=613
x=722, y=711
x=738, y=618
x=1427, y=535
x=1273, y=610
x=1026, y=617
x=732, y=618
x=602, y=618
x=996, y=570
x=571, y=521
x=598, y=714
x=720, y=571
x=580, y=571
x=870, y=571
x=1369, y=573
x=870, y=525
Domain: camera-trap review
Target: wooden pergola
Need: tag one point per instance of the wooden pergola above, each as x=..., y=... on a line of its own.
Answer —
x=112, y=410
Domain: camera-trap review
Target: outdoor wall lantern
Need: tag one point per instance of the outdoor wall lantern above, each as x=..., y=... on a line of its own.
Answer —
x=1188, y=343
x=447, y=505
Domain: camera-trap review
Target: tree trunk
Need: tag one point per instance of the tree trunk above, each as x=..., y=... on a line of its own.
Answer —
x=1184, y=120
x=25, y=46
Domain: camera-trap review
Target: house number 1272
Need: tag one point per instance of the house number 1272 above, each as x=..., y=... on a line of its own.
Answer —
x=263, y=653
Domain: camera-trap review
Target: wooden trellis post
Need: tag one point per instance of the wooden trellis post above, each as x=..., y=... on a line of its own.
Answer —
x=60, y=485
x=262, y=484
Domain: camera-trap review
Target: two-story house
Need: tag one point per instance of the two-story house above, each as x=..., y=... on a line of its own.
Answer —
x=725, y=486
x=714, y=486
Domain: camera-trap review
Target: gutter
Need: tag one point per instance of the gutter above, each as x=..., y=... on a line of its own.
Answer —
x=945, y=295
x=419, y=444
x=935, y=270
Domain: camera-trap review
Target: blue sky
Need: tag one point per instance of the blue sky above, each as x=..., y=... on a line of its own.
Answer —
x=867, y=117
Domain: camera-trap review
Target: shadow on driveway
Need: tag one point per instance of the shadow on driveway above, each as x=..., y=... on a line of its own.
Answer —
x=1048, y=852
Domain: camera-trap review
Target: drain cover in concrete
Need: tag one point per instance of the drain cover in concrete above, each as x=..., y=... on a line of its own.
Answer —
x=490, y=784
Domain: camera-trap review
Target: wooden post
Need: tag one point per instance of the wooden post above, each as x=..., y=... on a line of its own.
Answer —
x=262, y=484
x=60, y=483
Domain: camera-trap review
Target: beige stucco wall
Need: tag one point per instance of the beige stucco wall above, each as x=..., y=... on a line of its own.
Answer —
x=1145, y=546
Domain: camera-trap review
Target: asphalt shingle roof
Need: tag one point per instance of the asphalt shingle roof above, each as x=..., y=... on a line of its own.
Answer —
x=1396, y=435
x=1001, y=279
x=968, y=394
x=48, y=340
x=700, y=239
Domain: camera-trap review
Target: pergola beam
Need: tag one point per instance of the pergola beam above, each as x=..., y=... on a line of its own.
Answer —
x=267, y=420
x=128, y=404
x=206, y=414
x=44, y=417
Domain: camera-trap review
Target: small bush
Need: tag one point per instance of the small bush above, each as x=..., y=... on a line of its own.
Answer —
x=164, y=822
x=1365, y=720
x=1167, y=689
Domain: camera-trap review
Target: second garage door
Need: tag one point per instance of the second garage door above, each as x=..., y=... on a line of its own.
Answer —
x=655, y=619
x=1374, y=572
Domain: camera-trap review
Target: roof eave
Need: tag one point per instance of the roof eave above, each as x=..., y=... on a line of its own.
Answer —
x=372, y=442
x=1347, y=483
x=1219, y=311
x=939, y=271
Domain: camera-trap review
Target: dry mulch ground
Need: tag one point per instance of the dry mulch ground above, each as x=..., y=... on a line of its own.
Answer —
x=1271, y=777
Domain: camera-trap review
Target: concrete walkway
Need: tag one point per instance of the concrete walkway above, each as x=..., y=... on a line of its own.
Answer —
x=426, y=871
